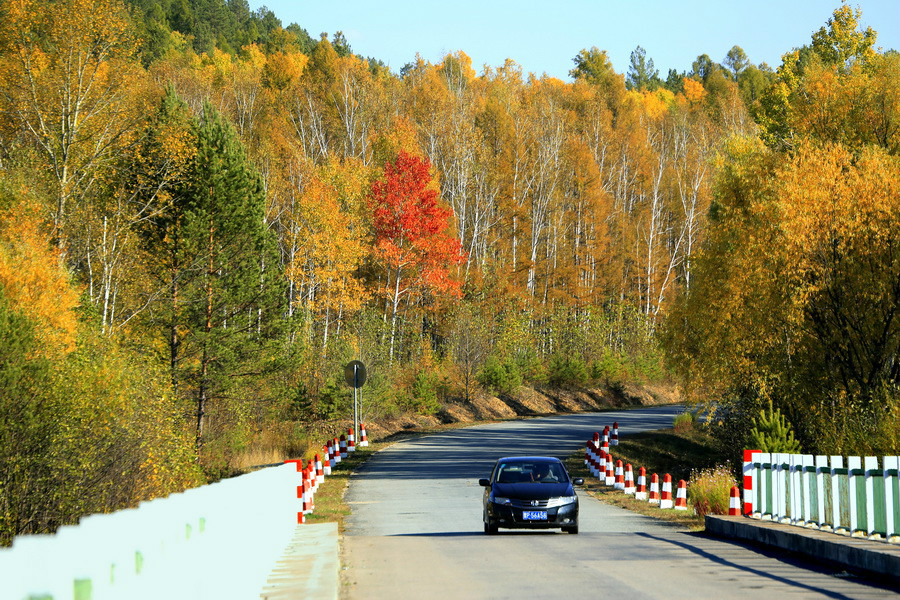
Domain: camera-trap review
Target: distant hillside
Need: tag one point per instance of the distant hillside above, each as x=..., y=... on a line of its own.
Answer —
x=224, y=24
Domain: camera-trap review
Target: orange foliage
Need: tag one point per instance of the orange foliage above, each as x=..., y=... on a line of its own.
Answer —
x=694, y=91
x=34, y=279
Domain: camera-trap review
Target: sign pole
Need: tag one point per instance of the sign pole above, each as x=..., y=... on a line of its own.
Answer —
x=355, y=404
x=355, y=375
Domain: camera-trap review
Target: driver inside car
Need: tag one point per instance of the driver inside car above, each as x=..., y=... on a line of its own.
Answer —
x=543, y=473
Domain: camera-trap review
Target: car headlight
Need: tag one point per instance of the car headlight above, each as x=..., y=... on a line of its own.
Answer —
x=561, y=501
x=498, y=500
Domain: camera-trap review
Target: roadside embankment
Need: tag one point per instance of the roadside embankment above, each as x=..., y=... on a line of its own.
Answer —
x=527, y=402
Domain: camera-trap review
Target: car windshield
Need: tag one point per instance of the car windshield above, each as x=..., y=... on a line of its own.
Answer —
x=531, y=472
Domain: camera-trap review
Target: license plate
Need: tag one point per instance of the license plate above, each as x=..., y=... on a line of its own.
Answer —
x=534, y=515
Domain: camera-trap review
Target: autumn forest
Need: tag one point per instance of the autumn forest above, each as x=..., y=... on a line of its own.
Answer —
x=206, y=214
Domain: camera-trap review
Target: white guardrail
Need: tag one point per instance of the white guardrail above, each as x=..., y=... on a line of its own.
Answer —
x=860, y=497
x=218, y=541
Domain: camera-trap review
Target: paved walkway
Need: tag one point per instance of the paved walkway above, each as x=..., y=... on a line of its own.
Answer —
x=309, y=567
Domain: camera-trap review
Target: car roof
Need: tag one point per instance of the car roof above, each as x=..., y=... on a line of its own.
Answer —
x=529, y=459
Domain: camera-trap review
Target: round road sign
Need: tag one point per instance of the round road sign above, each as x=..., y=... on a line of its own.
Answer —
x=355, y=374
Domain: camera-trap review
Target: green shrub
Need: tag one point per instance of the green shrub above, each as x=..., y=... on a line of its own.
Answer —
x=607, y=368
x=709, y=490
x=335, y=401
x=424, y=394
x=772, y=433
x=685, y=422
x=502, y=377
x=567, y=370
x=530, y=366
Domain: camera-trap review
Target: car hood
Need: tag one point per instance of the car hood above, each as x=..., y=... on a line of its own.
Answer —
x=532, y=491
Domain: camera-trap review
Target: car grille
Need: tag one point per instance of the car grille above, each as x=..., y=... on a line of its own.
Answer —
x=527, y=504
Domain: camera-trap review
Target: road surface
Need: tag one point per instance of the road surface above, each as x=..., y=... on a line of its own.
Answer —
x=415, y=531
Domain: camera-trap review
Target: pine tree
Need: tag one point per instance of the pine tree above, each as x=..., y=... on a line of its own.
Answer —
x=208, y=246
x=772, y=433
x=233, y=310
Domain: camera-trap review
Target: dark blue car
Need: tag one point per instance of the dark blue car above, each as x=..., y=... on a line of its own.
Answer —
x=532, y=492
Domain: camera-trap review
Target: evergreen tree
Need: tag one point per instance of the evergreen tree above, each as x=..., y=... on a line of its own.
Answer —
x=641, y=73
x=208, y=246
x=234, y=307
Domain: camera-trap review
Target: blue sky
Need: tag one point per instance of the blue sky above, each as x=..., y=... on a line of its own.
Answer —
x=543, y=37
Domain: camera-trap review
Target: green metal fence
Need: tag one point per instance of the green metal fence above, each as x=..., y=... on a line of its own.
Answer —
x=860, y=497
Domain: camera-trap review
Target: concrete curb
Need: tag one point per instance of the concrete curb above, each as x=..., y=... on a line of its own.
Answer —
x=855, y=554
x=309, y=567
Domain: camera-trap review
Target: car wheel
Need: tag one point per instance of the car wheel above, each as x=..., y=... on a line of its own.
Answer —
x=571, y=529
x=490, y=528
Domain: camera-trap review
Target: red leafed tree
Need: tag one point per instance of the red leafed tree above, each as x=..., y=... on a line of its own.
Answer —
x=412, y=235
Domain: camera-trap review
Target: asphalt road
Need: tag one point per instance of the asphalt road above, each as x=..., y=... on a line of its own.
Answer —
x=416, y=532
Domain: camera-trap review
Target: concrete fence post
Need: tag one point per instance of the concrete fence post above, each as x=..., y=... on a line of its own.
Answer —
x=891, y=466
x=766, y=475
x=821, y=469
x=777, y=485
x=837, y=466
x=808, y=487
x=870, y=466
x=795, y=487
x=854, y=470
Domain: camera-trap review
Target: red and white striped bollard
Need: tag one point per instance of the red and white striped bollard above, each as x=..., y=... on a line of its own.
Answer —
x=363, y=440
x=587, y=456
x=748, y=480
x=320, y=471
x=614, y=439
x=610, y=478
x=665, y=500
x=337, y=450
x=629, y=480
x=681, y=496
x=734, y=504
x=654, y=489
x=326, y=463
x=640, y=493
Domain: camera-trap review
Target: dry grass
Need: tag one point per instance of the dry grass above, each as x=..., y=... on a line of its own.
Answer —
x=258, y=457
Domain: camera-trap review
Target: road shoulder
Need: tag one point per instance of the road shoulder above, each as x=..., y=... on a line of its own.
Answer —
x=870, y=557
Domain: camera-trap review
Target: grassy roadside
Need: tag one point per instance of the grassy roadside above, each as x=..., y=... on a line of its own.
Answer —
x=661, y=451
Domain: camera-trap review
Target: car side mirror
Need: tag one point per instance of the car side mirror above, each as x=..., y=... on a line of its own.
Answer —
x=578, y=481
x=484, y=482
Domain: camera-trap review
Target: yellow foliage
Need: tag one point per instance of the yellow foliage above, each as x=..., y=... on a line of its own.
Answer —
x=329, y=237
x=283, y=69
